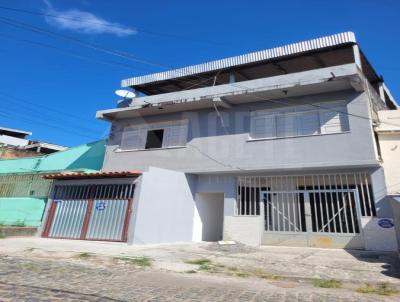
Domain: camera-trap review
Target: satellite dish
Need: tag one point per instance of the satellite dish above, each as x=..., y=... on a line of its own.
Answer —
x=126, y=94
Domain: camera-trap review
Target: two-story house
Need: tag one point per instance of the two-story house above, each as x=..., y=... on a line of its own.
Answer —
x=274, y=147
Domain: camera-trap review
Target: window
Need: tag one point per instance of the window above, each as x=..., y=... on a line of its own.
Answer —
x=334, y=118
x=154, y=139
x=156, y=135
x=324, y=118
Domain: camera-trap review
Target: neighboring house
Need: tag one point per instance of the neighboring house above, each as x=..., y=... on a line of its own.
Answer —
x=14, y=137
x=24, y=191
x=275, y=147
x=388, y=131
x=14, y=144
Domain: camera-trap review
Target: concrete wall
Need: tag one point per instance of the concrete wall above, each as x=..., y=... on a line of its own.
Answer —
x=244, y=229
x=395, y=203
x=164, y=208
x=22, y=210
x=209, y=149
x=379, y=191
x=389, y=141
x=390, y=152
x=377, y=238
x=13, y=141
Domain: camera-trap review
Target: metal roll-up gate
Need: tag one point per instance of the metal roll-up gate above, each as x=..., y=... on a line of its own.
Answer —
x=90, y=212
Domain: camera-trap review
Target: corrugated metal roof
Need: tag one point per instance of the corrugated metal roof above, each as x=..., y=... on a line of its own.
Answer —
x=88, y=156
x=286, y=50
x=77, y=175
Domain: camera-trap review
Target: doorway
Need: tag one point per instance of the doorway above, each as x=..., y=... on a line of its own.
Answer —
x=209, y=217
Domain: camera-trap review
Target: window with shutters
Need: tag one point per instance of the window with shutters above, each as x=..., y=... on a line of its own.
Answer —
x=155, y=135
x=323, y=118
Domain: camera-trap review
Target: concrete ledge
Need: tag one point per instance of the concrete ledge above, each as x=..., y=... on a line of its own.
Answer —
x=244, y=229
x=18, y=231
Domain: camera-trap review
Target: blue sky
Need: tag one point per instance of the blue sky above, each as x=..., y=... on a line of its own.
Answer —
x=53, y=87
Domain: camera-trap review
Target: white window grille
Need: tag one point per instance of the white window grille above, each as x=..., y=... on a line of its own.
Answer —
x=324, y=118
x=134, y=136
x=335, y=202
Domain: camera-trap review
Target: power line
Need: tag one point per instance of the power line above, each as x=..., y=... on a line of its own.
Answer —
x=154, y=33
x=48, y=118
x=71, y=54
x=92, y=46
x=48, y=126
x=130, y=57
x=84, y=44
x=44, y=120
x=26, y=103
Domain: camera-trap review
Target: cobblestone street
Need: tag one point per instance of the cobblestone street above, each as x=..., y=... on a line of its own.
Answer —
x=37, y=279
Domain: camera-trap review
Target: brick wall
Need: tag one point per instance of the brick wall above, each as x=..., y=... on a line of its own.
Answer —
x=8, y=153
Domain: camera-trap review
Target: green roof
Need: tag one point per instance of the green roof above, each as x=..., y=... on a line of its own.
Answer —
x=87, y=157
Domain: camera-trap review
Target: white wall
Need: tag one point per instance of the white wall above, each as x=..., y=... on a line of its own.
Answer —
x=244, y=229
x=208, y=217
x=163, y=208
x=389, y=142
x=377, y=238
x=390, y=151
x=13, y=141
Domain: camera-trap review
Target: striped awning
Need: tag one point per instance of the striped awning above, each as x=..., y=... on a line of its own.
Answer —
x=253, y=57
x=79, y=175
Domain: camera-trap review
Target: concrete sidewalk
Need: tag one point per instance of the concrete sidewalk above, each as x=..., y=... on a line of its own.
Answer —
x=300, y=263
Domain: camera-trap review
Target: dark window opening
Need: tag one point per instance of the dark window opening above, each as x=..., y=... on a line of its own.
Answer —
x=154, y=139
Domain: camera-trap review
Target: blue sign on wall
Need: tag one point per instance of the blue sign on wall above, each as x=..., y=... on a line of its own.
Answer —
x=100, y=205
x=385, y=223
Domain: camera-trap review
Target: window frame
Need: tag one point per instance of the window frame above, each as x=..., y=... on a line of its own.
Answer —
x=273, y=113
x=146, y=127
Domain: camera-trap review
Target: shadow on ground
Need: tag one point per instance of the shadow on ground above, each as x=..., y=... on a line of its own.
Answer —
x=390, y=261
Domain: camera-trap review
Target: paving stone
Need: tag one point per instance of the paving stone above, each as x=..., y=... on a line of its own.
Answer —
x=37, y=279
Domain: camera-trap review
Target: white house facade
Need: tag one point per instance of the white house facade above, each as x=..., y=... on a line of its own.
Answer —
x=276, y=147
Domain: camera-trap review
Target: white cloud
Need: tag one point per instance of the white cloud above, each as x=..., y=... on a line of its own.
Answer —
x=84, y=22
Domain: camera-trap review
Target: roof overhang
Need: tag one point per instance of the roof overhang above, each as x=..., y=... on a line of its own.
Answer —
x=11, y=131
x=45, y=145
x=317, y=81
x=294, y=49
x=92, y=175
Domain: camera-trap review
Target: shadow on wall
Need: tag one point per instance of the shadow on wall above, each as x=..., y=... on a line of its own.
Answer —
x=210, y=208
x=91, y=159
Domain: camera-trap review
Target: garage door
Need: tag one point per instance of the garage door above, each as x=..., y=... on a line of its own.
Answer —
x=96, y=212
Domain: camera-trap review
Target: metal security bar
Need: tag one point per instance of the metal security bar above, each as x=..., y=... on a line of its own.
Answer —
x=334, y=211
x=25, y=185
x=97, y=191
x=284, y=211
x=250, y=188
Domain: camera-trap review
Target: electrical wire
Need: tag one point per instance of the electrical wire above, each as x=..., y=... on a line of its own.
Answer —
x=32, y=107
x=138, y=60
x=139, y=30
x=71, y=54
x=48, y=126
x=130, y=57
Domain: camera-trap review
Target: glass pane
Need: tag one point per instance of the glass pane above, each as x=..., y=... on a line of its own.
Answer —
x=133, y=138
x=308, y=123
x=263, y=127
x=286, y=125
